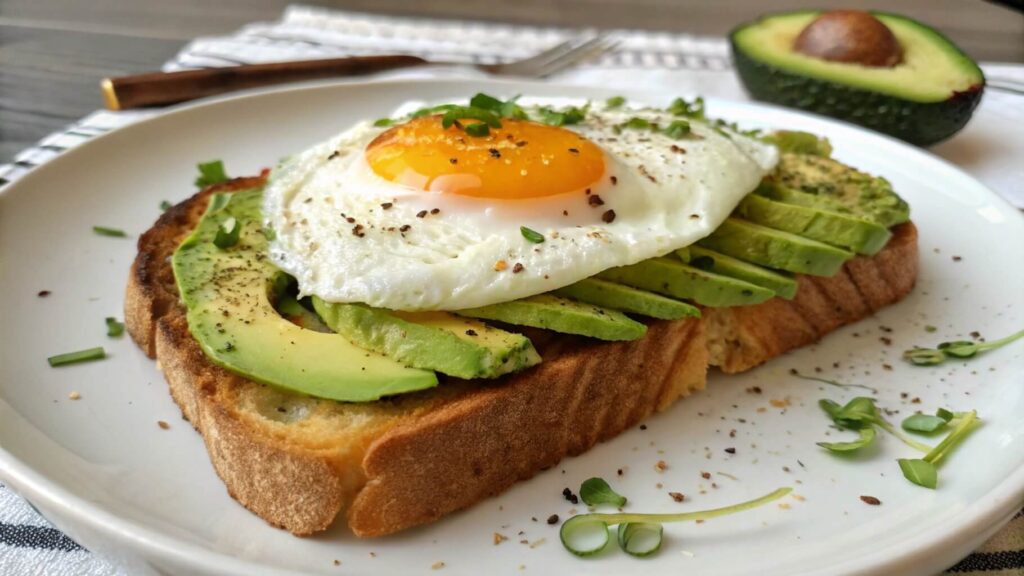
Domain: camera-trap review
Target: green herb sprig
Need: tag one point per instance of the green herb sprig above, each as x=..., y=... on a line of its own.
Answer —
x=861, y=415
x=959, y=349
x=687, y=109
x=228, y=233
x=111, y=232
x=211, y=173
x=640, y=534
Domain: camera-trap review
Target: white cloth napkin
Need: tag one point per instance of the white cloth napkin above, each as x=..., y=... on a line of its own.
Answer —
x=991, y=148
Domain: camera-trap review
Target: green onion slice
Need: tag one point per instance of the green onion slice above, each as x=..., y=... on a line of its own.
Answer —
x=531, y=235
x=587, y=534
x=114, y=328
x=75, y=357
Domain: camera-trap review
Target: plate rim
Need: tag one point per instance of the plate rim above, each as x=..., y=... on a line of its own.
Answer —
x=984, y=515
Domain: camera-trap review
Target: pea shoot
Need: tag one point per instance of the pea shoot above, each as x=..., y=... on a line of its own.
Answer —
x=211, y=173
x=68, y=358
x=596, y=491
x=956, y=349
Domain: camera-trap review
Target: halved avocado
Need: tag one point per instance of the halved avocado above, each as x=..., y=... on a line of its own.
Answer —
x=926, y=97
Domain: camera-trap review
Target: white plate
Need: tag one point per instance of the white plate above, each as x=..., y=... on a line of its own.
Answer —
x=102, y=469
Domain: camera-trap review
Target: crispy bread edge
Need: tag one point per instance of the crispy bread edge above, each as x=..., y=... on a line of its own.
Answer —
x=484, y=441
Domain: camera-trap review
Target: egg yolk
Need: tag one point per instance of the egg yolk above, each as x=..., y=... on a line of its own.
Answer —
x=522, y=159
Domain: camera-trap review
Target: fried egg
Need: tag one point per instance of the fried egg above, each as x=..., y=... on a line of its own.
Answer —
x=417, y=216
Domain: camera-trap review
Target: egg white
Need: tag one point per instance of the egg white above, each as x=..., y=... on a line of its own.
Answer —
x=348, y=235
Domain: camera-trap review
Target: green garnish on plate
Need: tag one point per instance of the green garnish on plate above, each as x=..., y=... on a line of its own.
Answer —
x=86, y=355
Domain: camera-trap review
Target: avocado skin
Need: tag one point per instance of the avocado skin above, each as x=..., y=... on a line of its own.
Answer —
x=922, y=124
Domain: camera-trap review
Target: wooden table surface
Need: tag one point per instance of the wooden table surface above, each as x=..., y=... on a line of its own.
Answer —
x=53, y=52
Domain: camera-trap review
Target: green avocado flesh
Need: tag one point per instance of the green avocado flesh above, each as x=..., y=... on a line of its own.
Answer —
x=775, y=248
x=672, y=278
x=824, y=184
x=626, y=299
x=439, y=341
x=292, y=311
x=227, y=293
x=561, y=315
x=924, y=99
x=833, y=228
x=783, y=285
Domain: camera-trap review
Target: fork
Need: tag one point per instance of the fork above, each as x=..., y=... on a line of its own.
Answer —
x=163, y=88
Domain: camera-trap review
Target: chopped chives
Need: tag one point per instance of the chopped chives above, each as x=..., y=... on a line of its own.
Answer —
x=113, y=232
x=114, y=328
x=75, y=357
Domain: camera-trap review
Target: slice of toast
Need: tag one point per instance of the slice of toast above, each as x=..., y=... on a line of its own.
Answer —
x=298, y=462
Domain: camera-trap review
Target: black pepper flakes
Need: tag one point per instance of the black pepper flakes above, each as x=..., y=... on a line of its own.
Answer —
x=517, y=268
x=404, y=228
x=568, y=495
x=573, y=151
x=608, y=216
x=553, y=519
x=494, y=152
x=870, y=500
x=435, y=211
x=730, y=450
x=614, y=180
x=358, y=231
x=595, y=200
x=43, y=293
x=421, y=214
x=677, y=496
x=521, y=143
x=470, y=332
x=334, y=155
x=387, y=205
x=453, y=160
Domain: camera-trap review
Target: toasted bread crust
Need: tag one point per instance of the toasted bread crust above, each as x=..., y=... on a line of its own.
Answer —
x=417, y=458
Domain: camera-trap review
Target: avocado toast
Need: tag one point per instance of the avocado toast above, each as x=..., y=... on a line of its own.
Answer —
x=390, y=461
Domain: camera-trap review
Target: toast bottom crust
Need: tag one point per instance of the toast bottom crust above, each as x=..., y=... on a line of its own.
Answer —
x=298, y=462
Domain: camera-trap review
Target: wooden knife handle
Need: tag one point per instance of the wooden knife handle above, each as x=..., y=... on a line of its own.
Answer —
x=162, y=88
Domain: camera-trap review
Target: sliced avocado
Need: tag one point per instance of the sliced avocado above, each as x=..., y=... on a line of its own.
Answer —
x=823, y=183
x=829, y=227
x=227, y=293
x=799, y=143
x=926, y=97
x=775, y=248
x=627, y=299
x=438, y=341
x=672, y=278
x=782, y=284
x=294, y=312
x=562, y=315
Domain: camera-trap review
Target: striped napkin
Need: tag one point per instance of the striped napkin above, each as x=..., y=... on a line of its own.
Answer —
x=680, y=63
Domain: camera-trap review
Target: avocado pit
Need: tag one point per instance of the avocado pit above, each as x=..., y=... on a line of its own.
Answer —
x=852, y=37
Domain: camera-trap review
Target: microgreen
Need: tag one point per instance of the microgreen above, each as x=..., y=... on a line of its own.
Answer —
x=615, y=102
x=211, y=173
x=165, y=206
x=925, y=423
x=832, y=382
x=504, y=108
x=867, y=436
x=531, y=235
x=384, y=122
x=227, y=233
x=75, y=357
x=640, y=534
x=681, y=107
x=564, y=117
x=470, y=113
x=112, y=232
x=596, y=491
x=955, y=349
x=114, y=328
x=218, y=202
x=478, y=129
x=920, y=472
x=677, y=129
x=636, y=123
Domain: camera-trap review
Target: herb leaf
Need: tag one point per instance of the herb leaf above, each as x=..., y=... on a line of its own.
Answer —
x=677, y=129
x=615, y=102
x=596, y=491
x=924, y=423
x=531, y=235
x=228, y=233
x=114, y=328
x=966, y=423
x=640, y=538
x=478, y=129
x=681, y=107
x=211, y=173
x=112, y=232
x=867, y=436
x=636, y=123
x=218, y=202
x=920, y=472
x=382, y=122
x=565, y=117
x=165, y=205
x=470, y=113
x=75, y=357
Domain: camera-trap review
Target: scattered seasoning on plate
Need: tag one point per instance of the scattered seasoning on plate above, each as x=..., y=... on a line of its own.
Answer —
x=730, y=450
x=74, y=396
x=437, y=565
x=870, y=500
x=163, y=425
x=517, y=268
x=500, y=265
x=677, y=496
x=957, y=258
x=595, y=200
x=470, y=332
x=705, y=475
x=499, y=538
x=387, y=205
x=660, y=466
x=334, y=155
x=608, y=216
x=421, y=214
x=614, y=180
x=43, y=293
x=553, y=519
x=568, y=495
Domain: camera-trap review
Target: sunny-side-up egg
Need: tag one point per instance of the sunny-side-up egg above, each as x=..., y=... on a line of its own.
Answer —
x=417, y=216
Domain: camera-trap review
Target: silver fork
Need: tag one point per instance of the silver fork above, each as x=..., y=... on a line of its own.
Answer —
x=554, y=59
x=162, y=88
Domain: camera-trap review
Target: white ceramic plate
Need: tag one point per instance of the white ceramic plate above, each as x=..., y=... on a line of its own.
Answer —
x=102, y=469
